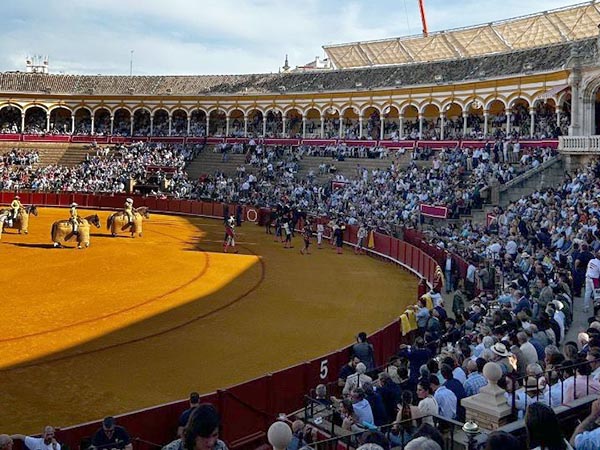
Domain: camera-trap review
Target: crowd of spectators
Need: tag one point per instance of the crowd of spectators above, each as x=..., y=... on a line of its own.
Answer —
x=513, y=306
x=108, y=171
x=545, y=125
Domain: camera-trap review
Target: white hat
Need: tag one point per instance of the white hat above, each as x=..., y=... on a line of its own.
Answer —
x=74, y=204
x=500, y=349
x=559, y=305
x=129, y=200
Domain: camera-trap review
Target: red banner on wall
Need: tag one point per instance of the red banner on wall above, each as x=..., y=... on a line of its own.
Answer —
x=438, y=212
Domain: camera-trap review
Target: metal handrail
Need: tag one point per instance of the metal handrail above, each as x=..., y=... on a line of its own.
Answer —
x=519, y=381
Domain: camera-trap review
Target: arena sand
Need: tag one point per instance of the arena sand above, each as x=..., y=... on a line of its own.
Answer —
x=131, y=323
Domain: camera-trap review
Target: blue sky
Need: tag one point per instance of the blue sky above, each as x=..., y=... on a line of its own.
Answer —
x=173, y=37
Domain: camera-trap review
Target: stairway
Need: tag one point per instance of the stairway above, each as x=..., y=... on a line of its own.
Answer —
x=55, y=153
x=551, y=173
x=208, y=162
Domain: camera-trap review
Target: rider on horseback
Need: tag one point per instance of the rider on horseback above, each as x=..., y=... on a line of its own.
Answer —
x=128, y=210
x=15, y=207
x=74, y=218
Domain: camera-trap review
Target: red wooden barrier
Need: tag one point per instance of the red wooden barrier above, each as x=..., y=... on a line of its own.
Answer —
x=10, y=137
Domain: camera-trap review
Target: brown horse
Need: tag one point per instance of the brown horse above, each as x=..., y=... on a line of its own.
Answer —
x=62, y=231
x=119, y=222
x=21, y=223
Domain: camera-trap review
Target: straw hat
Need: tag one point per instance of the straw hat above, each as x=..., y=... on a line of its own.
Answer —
x=500, y=349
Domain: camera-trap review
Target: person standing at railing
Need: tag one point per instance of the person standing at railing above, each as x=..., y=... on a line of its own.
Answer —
x=46, y=442
x=364, y=350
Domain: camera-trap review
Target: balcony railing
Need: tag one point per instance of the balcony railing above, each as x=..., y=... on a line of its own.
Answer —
x=579, y=144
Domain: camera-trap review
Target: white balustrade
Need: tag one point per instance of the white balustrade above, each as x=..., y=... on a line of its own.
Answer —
x=579, y=144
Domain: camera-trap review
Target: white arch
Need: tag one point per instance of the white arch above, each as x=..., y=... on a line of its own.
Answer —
x=406, y=105
x=446, y=105
x=367, y=106
x=84, y=107
x=55, y=107
x=142, y=108
x=425, y=103
x=100, y=107
x=157, y=110
x=292, y=108
x=13, y=105
x=492, y=100
x=35, y=105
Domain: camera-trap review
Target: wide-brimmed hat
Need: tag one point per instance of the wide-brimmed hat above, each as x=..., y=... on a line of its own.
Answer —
x=74, y=204
x=525, y=255
x=500, y=349
x=129, y=200
x=533, y=384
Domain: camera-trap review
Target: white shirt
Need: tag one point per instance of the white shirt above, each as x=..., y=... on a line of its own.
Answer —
x=593, y=268
x=428, y=406
x=436, y=298
x=471, y=273
x=511, y=247
x=529, y=353
x=38, y=444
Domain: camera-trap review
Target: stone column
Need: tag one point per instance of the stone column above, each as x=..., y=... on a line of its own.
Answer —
x=207, y=125
x=489, y=408
x=401, y=129
x=170, y=124
x=151, y=125
x=322, y=128
x=381, y=127
x=360, y=127
x=245, y=126
x=531, y=122
x=574, y=63
x=130, y=124
x=303, y=127
x=22, y=121
x=92, y=125
x=442, y=131
x=465, y=116
x=72, y=123
x=112, y=125
x=558, y=111
x=486, y=113
x=283, y=121
x=341, y=132
x=507, y=112
x=189, y=127
x=47, y=122
x=227, y=125
x=420, y=126
x=264, y=133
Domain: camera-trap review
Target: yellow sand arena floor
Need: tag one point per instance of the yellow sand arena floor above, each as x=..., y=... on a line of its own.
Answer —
x=131, y=323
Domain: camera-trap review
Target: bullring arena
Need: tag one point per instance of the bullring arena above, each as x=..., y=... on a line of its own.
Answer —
x=131, y=323
x=465, y=159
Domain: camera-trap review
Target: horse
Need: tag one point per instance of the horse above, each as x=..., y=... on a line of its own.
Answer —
x=120, y=222
x=62, y=231
x=21, y=223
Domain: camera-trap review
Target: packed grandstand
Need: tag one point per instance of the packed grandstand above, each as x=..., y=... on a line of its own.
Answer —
x=431, y=141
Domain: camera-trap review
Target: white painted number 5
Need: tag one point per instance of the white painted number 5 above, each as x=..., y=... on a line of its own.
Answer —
x=324, y=370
